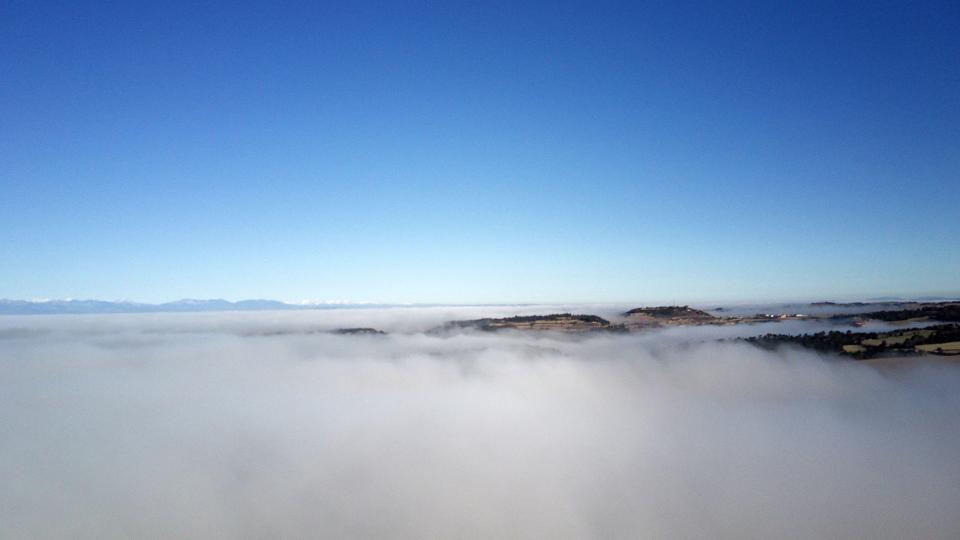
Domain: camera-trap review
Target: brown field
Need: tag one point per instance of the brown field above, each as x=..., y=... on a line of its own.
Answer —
x=906, y=362
x=898, y=339
x=951, y=348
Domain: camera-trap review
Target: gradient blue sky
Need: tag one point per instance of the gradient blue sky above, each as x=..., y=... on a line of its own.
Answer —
x=482, y=152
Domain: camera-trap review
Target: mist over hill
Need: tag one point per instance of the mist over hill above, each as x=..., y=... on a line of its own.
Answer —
x=251, y=425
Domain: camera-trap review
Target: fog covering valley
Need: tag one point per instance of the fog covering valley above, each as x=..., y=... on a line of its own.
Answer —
x=265, y=425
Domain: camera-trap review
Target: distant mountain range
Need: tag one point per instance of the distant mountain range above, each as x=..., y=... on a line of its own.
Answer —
x=50, y=307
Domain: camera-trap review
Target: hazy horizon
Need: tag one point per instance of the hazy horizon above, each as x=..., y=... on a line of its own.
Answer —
x=648, y=301
x=39, y=307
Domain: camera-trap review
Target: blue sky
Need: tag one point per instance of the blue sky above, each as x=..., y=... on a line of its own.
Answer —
x=483, y=152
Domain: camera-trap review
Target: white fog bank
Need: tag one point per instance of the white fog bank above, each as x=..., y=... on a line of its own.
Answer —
x=193, y=426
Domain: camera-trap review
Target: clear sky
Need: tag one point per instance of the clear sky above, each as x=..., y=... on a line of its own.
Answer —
x=480, y=152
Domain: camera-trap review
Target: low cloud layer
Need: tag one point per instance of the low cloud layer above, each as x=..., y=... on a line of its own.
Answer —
x=192, y=426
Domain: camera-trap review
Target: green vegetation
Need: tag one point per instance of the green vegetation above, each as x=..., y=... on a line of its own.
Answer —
x=861, y=345
x=553, y=321
x=664, y=312
x=359, y=332
x=551, y=317
x=898, y=338
x=946, y=312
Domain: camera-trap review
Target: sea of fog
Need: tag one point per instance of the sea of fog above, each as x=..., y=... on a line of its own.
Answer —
x=260, y=425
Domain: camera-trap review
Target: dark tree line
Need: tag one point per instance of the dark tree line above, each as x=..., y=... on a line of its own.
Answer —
x=669, y=311
x=945, y=312
x=834, y=341
x=492, y=323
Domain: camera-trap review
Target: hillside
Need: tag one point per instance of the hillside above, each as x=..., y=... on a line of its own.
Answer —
x=938, y=340
x=670, y=312
x=557, y=322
